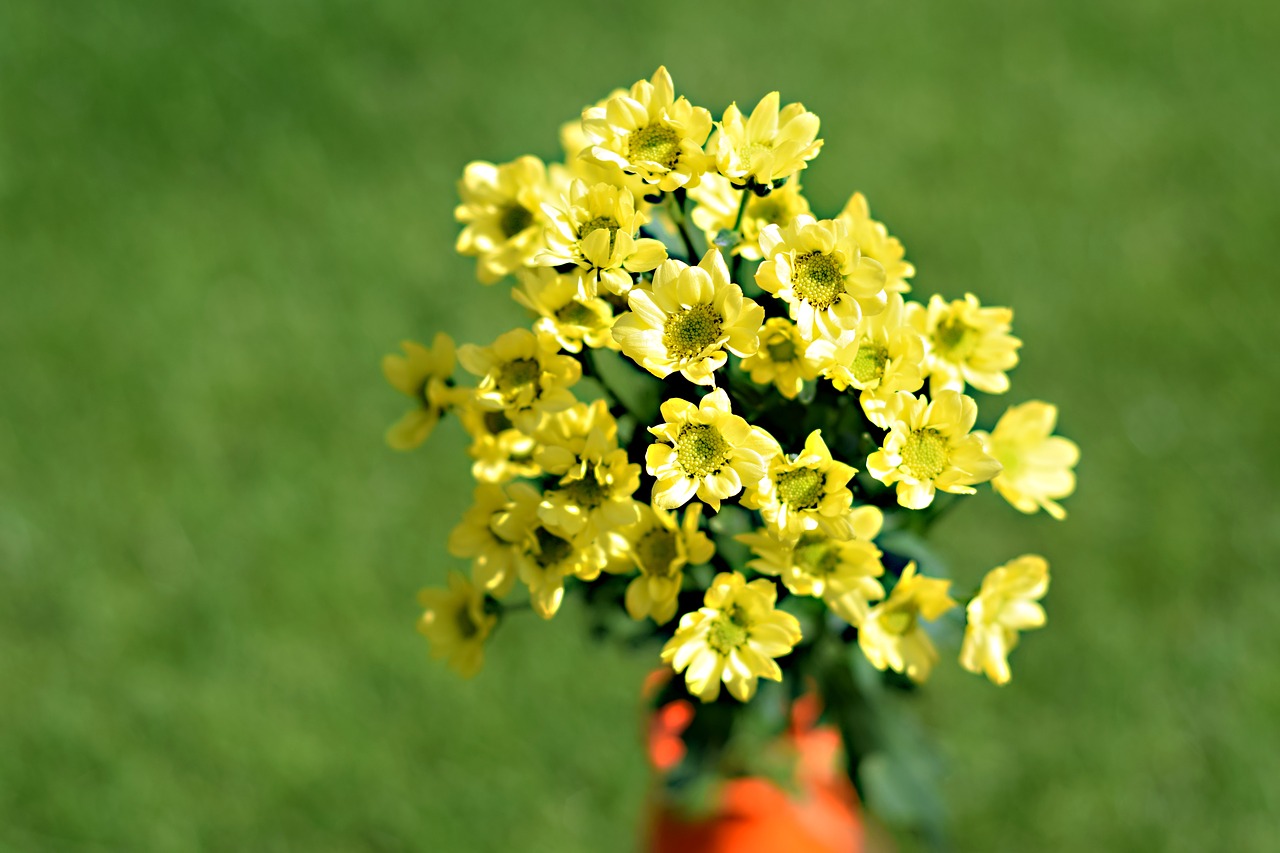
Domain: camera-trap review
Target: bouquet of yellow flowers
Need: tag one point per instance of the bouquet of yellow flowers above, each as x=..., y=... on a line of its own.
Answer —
x=716, y=427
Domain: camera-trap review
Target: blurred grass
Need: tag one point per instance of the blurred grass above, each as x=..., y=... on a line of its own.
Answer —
x=215, y=217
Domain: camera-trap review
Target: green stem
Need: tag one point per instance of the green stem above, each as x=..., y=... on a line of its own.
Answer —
x=676, y=209
x=736, y=260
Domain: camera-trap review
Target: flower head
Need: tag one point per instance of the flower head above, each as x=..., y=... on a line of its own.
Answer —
x=1037, y=465
x=594, y=496
x=421, y=374
x=456, y=625
x=523, y=376
x=1005, y=605
x=501, y=452
x=891, y=635
x=771, y=145
x=492, y=566
x=782, y=358
x=966, y=344
x=733, y=638
x=502, y=212
x=807, y=493
x=571, y=320
x=660, y=547
x=875, y=242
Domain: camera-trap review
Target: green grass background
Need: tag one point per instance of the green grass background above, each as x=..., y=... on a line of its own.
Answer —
x=216, y=216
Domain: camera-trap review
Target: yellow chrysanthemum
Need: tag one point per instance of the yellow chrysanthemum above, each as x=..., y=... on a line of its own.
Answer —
x=523, y=376
x=818, y=270
x=594, y=229
x=891, y=635
x=456, y=625
x=885, y=356
x=688, y=319
x=771, y=145
x=929, y=447
x=562, y=314
x=502, y=211
x=805, y=494
x=420, y=373
x=579, y=164
x=501, y=452
x=492, y=558
x=594, y=497
x=651, y=133
x=782, y=358
x=706, y=450
x=567, y=439
x=966, y=344
x=1005, y=605
x=733, y=638
x=661, y=546
x=716, y=203
x=874, y=240
x=1037, y=464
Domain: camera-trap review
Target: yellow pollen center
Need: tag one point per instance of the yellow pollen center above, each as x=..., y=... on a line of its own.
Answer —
x=817, y=279
x=926, y=454
x=595, y=224
x=781, y=350
x=518, y=373
x=691, y=331
x=725, y=635
x=577, y=314
x=800, y=489
x=514, y=219
x=751, y=152
x=701, y=450
x=656, y=553
x=655, y=143
x=899, y=621
x=955, y=339
x=816, y=555
x=550, y=549
x=587, y=492
x=868, y=364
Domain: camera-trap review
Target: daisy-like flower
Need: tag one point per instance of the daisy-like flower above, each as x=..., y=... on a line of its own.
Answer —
x=818, y=270
x=502, y=212
x=966, y=344
x=805, y=494
x=661, y=546
x=523, y=376
x=716, y=203
x=1006, y=604
x=842, y=572
x=891, y=635
x=571, y=320
x=421, y=374
x=501, y=452
x=579, y=164
x=688, y=319
x=594, y=229
x=595, y=496
x=456, y=625
x=733, y=638
x=581, y=432
x=929, y=447
x=1037, y=464
x=771, y=145
x=706, y=450
x=651, y=133
x=885, y=356
x=874, y=240
x=782, y=358
x=492, y=558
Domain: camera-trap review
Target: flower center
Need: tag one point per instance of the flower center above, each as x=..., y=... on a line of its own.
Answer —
x=514, y=219
x=899, y=621
x=816, y=555
x=800, y=489
x=655, y=143
x=656, y=552
x=925, y=454
x=595, y=224
x=751, y=152
x=701, y=450
x=768, y=210
x=496, y=422
x=955, y=338
x=725, y=635
x=782, y=349
x=467, y=628
x=691, y=331
x=577, y=314
x=587, y=492
x=817, y=279
x=518, y=373
x=868, y=364
x=549, y=548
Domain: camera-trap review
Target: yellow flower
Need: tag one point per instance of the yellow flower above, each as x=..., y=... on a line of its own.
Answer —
x=501, y=452
x=456, y=625
x=874, y=240
x=733, y=639
x=817, y=269
x=781, y=359
x=688, y=319
x=661, y=547
x=420, y=373
x=891, y=636
x=569, y=438
x=594, y=228
x=772, y=145
x=706, y=450
x=492, y=566
x=595, y=497
x=522, y=376
x=502, y=211
x=716, y=209
x=1005, y=605
x=884, y=357
x=842, y=572
x=807, y=493
x=651, y=133
x=579, y=164
x=572, y=321
x=1037, y=464
x=967, y=344
x=929, y=447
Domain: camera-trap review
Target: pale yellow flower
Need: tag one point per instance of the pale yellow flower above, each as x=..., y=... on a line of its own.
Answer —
x=771, y=145
x=660, y=547
x=571, y=320
x=499, y=450
x=579, y=164
x=651, y=133
x=733, y=638
x=716, y=203
x=502, y=212
x=807, y=493
x=930, y=447
x=595, y=496
x=421, y=374
x=1037, y=464
x=569, y=438
x=782, y=358
x=818, y=270
x=523, y=376
x=456, y=625
x=966, y=344
x=492, y=557
x=874, y=240
x=706, y=450
x=1006, y=604
x=688, y=319
x=891, y=635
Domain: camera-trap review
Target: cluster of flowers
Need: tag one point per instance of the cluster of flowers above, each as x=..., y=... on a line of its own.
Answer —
x=575, y=489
